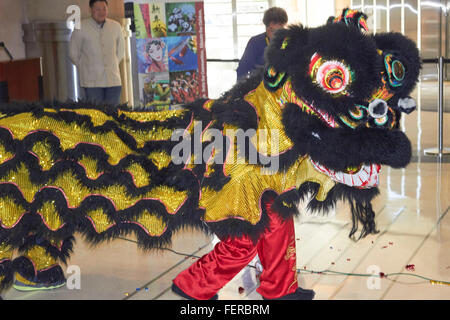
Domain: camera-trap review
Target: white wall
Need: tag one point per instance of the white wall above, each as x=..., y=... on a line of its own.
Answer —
x=11, y=19
x=314, y=13
x=55, y=10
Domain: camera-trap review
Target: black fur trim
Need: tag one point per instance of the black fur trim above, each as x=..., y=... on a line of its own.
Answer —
x=359, y=200
x=243, y=86
x=26, y=269
x=286, y=204
x=404, y=50
x=6, y=271
x=338, y=148
x=240, y=113
x=61, y=253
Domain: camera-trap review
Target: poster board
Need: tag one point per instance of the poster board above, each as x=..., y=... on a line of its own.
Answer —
x=170, y=53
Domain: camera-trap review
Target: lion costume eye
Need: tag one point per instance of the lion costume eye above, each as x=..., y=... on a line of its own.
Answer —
x=332, y=76
x=395, y=70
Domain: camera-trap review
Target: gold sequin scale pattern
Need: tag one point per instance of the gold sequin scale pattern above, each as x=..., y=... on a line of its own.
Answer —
x=86, y=164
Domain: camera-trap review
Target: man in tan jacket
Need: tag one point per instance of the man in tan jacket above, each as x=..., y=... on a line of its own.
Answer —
x=97, y=49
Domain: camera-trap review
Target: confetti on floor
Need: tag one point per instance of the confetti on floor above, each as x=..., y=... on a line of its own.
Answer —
x=410, y=267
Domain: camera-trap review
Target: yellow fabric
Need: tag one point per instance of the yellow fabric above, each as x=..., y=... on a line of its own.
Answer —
x=100, y=220
x=50, y=215
x=240, y=197
x=41, y=259
x=76, y=192
x=10, y=212
x=140, y=175
x=151, y=223
x=6, y=252
x=269, y=111
x=90, y=166
x=43, y=151
x=69, y=134
x=160, y=159
x=153, y=116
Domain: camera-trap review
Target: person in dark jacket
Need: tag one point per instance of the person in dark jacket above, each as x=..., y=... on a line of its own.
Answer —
x=274, y=19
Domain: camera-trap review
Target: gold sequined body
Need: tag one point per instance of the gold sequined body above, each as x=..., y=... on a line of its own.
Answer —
x=240, y=198
x=105, y=175
x=86, y=166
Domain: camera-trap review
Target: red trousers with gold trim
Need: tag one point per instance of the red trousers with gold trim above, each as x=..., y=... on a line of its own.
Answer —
x=276, y=251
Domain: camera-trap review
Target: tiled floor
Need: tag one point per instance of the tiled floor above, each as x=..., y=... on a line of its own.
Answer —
x=413, y=217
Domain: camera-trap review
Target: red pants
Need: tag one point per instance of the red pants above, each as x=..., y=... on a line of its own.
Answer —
x=276, y=251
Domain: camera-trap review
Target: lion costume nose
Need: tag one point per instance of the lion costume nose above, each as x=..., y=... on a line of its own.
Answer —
x=378, y=108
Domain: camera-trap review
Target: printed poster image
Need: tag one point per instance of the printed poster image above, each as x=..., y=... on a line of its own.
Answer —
x=152, y=55
x=142, y=21
x=155, y=94
x=184, y=86
x=157, y=20
x=170, y=58
x=182, y=53
x=181, y=18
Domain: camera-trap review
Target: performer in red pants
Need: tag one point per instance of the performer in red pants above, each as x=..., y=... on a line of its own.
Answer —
x=276, y=251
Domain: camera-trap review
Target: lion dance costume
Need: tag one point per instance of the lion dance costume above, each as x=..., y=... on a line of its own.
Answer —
x=333, y=97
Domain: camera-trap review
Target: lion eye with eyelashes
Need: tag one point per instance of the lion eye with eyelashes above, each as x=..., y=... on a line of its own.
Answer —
x=332, y=76
x=395, y=70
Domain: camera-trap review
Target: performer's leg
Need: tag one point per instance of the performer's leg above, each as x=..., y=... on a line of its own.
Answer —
x=210, y=273
x=112, y=95
x=277, y=253
x=94, y=95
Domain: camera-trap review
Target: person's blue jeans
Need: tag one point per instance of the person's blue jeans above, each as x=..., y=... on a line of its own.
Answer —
x=110, y=95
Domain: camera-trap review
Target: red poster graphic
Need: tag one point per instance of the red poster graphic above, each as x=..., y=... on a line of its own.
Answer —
x=201, y=50
x=146, y=16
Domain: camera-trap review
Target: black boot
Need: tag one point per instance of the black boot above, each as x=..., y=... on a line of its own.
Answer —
x=299, y=294
x=180, y=292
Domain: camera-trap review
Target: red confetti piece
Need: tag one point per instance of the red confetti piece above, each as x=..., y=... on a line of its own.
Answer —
x=241, y=290
x=382, y=275
x=384, y=247
x=410, y=267
x=348, y=259
x=391, y=243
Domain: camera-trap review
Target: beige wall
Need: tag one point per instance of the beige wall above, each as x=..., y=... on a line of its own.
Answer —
x=11, y=19
x=340, y=5
x=312, y=12
x=54, y=10
x=13, y=13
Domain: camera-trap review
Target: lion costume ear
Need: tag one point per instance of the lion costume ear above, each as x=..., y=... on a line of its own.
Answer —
x=402, y=62
x=285, y=47
x=352, y=17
